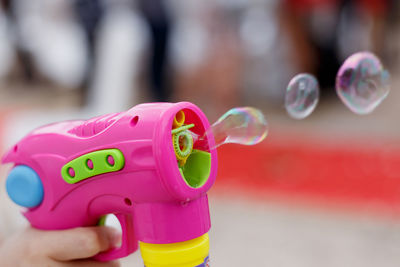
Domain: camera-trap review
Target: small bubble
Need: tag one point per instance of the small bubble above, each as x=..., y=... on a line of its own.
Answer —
x=302, y=95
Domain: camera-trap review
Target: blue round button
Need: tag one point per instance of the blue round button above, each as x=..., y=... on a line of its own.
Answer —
x=24, y=187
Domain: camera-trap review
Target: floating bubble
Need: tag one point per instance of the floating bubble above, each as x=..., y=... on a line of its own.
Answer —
x=362, y=83
x=302, y=95
x=242, y=125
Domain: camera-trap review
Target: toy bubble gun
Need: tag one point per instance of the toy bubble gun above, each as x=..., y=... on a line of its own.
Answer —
x=141, y=165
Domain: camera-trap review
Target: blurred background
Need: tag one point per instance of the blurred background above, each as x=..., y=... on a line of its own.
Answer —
x=320, y=191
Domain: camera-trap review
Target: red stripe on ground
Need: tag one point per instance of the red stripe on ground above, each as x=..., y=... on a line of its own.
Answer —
x=346, y=173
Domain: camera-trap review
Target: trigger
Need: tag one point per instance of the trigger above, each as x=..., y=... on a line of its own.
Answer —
x=129, y=243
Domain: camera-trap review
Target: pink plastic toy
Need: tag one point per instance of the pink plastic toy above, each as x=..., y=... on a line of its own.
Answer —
x=70, y=174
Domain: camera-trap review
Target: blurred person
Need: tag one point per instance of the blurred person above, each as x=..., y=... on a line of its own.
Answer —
x=206, y=54
x=89, y=14
x=95, y=16
x=24, y=57
x=159, y=21
x=6, y=50
x=323, y=33
x=266, y=71
x=122, y=43
x=46, y=41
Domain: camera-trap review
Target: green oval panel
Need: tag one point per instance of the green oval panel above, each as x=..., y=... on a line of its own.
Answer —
x=100, y=165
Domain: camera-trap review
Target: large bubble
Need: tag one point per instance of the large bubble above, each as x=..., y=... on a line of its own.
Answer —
x=362, y=83
x=242, y=125
x=302, y=95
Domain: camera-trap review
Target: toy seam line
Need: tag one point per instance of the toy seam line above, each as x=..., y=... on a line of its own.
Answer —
x=100, y=162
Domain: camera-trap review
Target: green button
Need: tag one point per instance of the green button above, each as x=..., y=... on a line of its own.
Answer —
x=92, y=164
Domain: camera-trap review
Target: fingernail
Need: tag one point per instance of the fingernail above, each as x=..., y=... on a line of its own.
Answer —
x=115, y=238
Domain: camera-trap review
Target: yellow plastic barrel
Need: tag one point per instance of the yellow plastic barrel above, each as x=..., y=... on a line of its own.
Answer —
x=191, y=253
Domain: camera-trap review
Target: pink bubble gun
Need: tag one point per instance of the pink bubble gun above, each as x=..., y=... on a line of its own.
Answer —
x=141, y=165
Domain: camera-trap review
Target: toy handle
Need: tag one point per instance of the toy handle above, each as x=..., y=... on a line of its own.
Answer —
x=122, y=209
x=129, y=243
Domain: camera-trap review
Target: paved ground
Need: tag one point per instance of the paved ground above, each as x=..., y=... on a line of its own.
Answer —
x=249, y=234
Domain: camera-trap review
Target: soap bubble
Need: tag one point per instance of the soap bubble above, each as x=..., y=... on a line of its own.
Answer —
x=362, y=83
x=302, y=95
x=242, y=125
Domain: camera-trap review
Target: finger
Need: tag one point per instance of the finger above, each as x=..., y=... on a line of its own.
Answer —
x=77, y=243
x=89, y=263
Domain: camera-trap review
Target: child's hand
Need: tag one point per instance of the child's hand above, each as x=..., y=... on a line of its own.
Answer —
x=71, y=247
